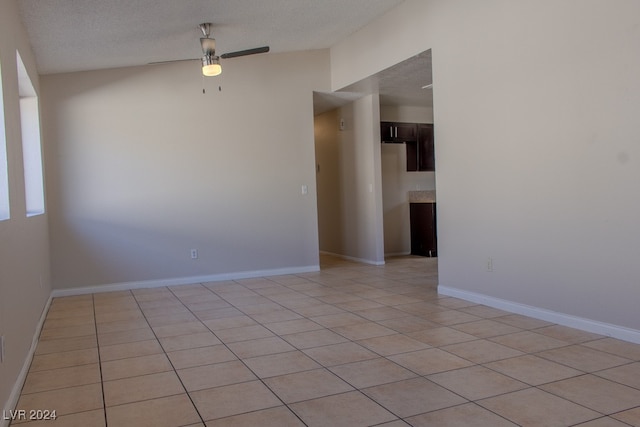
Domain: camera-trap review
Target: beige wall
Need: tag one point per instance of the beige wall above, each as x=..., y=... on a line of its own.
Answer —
x=143, y=167
x=349, y=185
x=536, y=111
x=24, y=247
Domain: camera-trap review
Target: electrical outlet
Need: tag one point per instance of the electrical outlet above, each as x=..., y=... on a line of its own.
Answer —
x=489, y=264
x=1, y=348
x=194, y=254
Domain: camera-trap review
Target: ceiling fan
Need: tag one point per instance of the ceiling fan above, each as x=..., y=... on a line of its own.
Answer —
x=210, y=61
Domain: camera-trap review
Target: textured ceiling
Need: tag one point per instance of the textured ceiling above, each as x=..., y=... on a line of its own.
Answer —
x=75, y=35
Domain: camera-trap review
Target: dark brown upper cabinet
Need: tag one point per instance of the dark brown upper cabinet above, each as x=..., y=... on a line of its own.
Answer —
x=398, y=132
x=418, y=138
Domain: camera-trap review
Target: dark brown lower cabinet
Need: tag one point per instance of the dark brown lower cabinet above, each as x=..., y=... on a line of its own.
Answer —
x=423, y=229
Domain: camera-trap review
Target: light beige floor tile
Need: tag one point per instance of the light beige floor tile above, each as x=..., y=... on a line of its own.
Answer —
x=529, y=342
x=372, y=372
x=408, y=324
x=260, y=347
x=66, y=344
x=363, y=331
x=64, y=401
x=54, y=379
x=349, y=410
x=450, y=317
x=362, y=304
x=293, y=326
x=215, y=375
x=464, y=415
x=533, y=370
x=71, y=312
x=280, y=364
x=93, y=418
x=583, y=358
x=484, y=311
x=171, y=319
x=221, y=402
x=244, y=333
x=163, y=311
x=184, y=342
x=522, y=322
x=614, y=346
x=340, y=354
x=318, y=310
x=532, y=408
x=279, y=416
x=123, y=337
x=131, y=349
x=229, y=322
x=119, y=316
x=68, y=332
x=381, y=313
x=570, y=335
x=477, y=382
x=631, y=417
x=430, y=361
x=163, y=412
x=64, y=359
x=414, y=396
x=420, y=308
x=339, y=319
x=145, y=387
x=596, y=393
x=307, y=385
x=200, y=356
x=486, y=328
x=396, y=300
x=135, y=366
x=276, y=316
x=625, y=374
x=218, y=313
x=441, y=336
x=179, y=329
x=393, y=344
x=51, y=323
x=482, y=351
x=121, y=325
x=197, y=307
x=603, y=422
x=317, y=338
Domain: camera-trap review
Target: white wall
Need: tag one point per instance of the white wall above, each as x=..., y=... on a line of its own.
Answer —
x=535, y=105
x=142, y=167
x=397, y=182
x=349, y=185
x=24, y=245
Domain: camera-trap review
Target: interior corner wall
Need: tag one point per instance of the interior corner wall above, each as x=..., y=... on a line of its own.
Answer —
x=144, y=167
x=535, y=106
x=397, y=182
x=24, y=243
x=349, y=190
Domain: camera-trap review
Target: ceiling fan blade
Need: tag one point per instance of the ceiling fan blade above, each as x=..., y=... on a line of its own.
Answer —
x=172, y=60
x=253, y=51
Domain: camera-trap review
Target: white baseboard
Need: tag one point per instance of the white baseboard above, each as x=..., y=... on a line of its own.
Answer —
x=17, y=386
x=354, y=259
x=125, y=286
x=607, y=329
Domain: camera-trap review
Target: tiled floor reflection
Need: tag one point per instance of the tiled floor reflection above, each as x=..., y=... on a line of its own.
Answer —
x=352, y=345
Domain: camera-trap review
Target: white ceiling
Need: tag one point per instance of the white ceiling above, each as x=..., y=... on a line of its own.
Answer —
x=76, y=35
x=79, y=35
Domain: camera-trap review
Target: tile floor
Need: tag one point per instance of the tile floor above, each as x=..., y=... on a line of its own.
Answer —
x=352, y=345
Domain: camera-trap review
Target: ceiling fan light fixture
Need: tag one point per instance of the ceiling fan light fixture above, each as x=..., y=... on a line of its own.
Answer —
x=211, y=66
